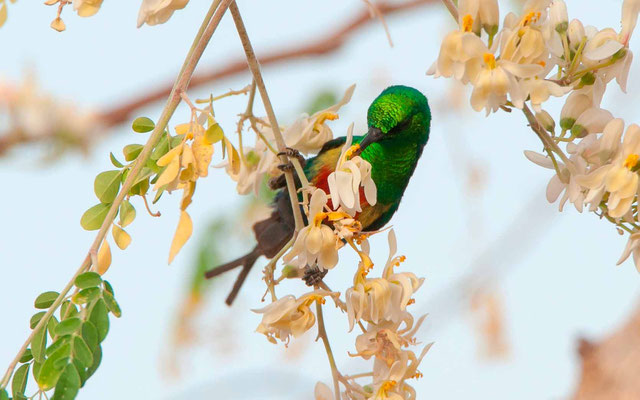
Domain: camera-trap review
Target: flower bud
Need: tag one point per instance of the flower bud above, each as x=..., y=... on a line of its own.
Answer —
x=576, y=34
x=489, y=15
x=558, y=16
x=545, y=119
x=592, y=120
x=576, y=104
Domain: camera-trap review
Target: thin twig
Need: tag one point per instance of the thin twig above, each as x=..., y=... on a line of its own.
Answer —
x=452, y=9
x=325, y=44
x=209, y=25
x=322, y=333
x=254, y=66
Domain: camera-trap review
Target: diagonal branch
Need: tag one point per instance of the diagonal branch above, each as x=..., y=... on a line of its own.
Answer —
x=324, y=45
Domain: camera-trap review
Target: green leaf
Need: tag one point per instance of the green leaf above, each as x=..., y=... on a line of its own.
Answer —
x=68, y=326
x=82, y=372
x=3, y=395
x=35, y=318
x=51, y=326
x=38, y=344
x=19, y=381
x=100, y=318
x=86, y=295
x=214, y=133
x=61, y=363
x=60, y=341
x=106, y=185
x=115, y=161
x=107, y=286
x=112, y=304
x=140, y=189
x=45, y=300
x=87, y=280
x=49, y=374
x=143, y=125
x=35, y=371
x=161, y=148
x=97, y=358
x=26, y=356
x=127, y=213
x=68, y=384
x=93, y=218
x=132, y=151
x=81, y=352
x=68, y=310
x=90, y=335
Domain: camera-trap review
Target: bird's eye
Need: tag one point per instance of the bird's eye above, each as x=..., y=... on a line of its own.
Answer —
x=400, y=125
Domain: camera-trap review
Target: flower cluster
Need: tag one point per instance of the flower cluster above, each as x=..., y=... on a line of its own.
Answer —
x=379, y=303
x=539, y=54
x=306, y=134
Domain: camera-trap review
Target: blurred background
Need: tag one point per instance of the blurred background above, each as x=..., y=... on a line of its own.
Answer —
x=514, y=289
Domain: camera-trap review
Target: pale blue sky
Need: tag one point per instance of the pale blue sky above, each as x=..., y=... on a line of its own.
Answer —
x=559, y=285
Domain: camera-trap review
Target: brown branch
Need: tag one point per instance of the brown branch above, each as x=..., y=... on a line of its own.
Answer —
x=610, y=367
x=326, y=44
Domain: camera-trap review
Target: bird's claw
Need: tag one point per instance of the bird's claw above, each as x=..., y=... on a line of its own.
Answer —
x=313, y=275
x=291, y=152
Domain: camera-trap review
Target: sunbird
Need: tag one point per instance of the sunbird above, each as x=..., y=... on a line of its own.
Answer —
x=399, y=120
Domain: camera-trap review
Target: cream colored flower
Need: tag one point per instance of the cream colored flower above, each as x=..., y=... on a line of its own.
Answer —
x=348, y=177
x=155, y=12
x=452, y=58
x=289, y=316
x=384, y=298
x=539, y=91
x=316, y=243
x=619, y=177
x=630, y=10
x=632, y=247
x=493, y=79
x=558, y=16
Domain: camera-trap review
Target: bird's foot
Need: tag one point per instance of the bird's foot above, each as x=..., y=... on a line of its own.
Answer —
x=313, y=275
x=290, y=152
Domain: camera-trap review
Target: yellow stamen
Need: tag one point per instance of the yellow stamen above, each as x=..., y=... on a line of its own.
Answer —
x=349, y=153
x=411, y=301
x=467, y=23
x=542, y=63
x=386, y=386
x=319, y=217
x=490, y=60
x=323, y=117
x=531, y=18
x=631, y=161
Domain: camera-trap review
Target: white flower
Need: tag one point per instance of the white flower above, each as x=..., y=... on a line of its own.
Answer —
x=619, y=178
x=384, y=298
x=309, y=133
x=575, y=34
x=86, y=8
x=289, y=316
x=452, y=58
x=576, y=104
x=316, y=243
x=390, y=381
x=539, y=91
x=493, y=79
x=489, y=15
x=630, y=9
x=632, y=247
x=347, y=178
x=154, y=12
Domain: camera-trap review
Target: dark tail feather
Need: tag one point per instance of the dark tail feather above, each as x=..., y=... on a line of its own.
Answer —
x=246, y=262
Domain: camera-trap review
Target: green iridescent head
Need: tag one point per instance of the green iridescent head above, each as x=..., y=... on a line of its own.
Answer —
x=399, y=112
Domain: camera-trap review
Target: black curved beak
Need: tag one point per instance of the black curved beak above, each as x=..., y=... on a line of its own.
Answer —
x=372, y=136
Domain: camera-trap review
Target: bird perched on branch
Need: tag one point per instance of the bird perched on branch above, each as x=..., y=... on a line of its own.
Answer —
x=399, y=121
